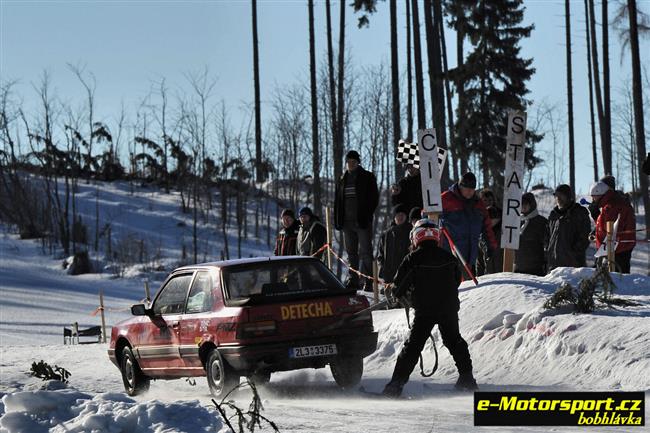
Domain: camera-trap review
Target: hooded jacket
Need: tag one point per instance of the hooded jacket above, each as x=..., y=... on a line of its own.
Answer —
x=285, y=242
x=311, y=239
x=568, y=236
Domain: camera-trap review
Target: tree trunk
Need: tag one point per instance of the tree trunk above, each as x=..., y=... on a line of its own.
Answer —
x=596, y=75
x=337, y=152
x=340, y=127
x=394, y=69
x=409, y=76
x=419, y=78
x=314, y=111
x=591, y=95
x=569, y=85
x=256, y=80
x=637, y=96
x=437, y=4
x=607, y=115
x=461, y=147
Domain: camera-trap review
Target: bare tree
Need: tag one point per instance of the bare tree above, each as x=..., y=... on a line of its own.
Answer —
x=569, y=85
x=314, y=112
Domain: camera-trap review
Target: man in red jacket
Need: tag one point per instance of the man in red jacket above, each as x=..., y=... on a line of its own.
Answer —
x=614, y=207
x=466, y=219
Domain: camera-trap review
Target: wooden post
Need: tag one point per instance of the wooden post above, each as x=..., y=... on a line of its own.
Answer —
x=75, y=333
x=147, y=294
x=611, y=262
x=375, y=281
x=101, y=310
x=508, y=260
x=328, y=222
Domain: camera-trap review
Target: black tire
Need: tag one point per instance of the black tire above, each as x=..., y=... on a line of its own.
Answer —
x=222, y=378
x=347, y=371
x=260, y=378
x=135, y=382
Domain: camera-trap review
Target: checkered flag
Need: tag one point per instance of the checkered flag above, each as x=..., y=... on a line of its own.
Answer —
x=408, y=154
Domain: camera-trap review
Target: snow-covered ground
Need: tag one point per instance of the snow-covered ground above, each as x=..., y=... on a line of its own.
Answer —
x=514, y=343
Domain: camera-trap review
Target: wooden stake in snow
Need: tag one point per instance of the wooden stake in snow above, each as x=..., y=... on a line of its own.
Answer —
x=147, y=293
x=328, y=222
x=513, y=188
x=101, y=311
x=611, y=261
x=375, y=281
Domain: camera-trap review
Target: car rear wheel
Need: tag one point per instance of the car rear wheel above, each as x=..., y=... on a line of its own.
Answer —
x=347, y=371
x=135, y=382
x=221, y=377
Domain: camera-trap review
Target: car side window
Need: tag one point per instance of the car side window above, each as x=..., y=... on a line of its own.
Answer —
x=172, y=297
x=200, y=298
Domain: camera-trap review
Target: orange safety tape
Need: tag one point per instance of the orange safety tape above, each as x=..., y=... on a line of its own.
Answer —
x=378, y=280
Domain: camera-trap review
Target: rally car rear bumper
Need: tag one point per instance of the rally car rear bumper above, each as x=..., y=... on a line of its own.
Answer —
x=271, y=357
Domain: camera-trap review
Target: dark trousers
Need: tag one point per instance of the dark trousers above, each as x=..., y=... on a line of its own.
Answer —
x=358, y=246
x=623, y=261
x=420, y=331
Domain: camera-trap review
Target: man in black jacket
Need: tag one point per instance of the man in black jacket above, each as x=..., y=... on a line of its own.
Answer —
x=408, y=190
x=312, y=234
x=530, y=257
x=394, y=244
x=428, y=280
x=356, y=199
x=568, y=231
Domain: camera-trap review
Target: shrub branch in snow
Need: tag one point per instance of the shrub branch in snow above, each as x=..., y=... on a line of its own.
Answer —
x=44, y=371
x=249, y=419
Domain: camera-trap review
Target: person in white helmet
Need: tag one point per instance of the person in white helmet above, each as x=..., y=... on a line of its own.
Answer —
x=428, y=280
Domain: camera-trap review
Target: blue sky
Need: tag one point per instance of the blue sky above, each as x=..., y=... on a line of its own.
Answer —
x=129, y=44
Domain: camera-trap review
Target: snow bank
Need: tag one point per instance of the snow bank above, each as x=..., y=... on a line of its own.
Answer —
x=68, y=410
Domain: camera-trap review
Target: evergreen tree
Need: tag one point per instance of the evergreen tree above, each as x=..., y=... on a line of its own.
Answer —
x=493, y=79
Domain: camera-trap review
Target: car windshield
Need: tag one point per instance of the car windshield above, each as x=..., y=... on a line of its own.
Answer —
x=280, y=279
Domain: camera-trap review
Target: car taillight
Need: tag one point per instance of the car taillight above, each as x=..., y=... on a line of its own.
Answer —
x=256, y=329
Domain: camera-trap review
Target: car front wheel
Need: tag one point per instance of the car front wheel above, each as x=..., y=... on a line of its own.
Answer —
x=347, y=371
x=221, y=377
x=135, y=382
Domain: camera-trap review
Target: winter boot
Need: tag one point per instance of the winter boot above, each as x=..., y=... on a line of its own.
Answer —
x=392, y=390
x=466, y=382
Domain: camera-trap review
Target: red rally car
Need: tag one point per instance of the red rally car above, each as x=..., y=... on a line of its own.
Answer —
x=247, y=317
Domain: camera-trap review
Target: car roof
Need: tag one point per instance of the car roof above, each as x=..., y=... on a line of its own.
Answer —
x=246, y=261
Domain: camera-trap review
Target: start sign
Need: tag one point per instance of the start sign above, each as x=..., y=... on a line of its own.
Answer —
x=429, y=170
x=514, y=180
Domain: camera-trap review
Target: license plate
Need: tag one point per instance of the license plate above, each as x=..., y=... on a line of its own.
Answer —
x=309, y=351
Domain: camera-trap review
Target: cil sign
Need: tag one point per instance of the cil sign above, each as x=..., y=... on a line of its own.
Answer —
x=429, y=170
x=514, y=178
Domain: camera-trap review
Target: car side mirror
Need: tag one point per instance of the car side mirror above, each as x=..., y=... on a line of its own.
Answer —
x=140, y=310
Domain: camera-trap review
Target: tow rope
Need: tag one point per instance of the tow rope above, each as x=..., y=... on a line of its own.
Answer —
x=433, y=344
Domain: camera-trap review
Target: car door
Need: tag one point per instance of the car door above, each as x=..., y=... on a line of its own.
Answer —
x=199, y=319
x=158, y=352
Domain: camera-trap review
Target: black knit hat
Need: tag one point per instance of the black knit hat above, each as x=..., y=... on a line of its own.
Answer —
x=288, y=212
x=564, y=190
x=529, y=198
x=468, y=180
x=353, y=154
x=305, y=211
x=415, y=213
x=400, y=208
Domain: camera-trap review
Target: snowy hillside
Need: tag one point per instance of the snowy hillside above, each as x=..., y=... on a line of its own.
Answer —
x=515, y=344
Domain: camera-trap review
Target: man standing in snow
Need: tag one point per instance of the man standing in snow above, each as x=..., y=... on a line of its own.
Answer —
x=465, y=217
x=530, y=257
x=568, y=231
x=355, y=201
x=613, y=207
x=428, y=280
x=394, y=244
x=285, y=243
x=312, y=234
